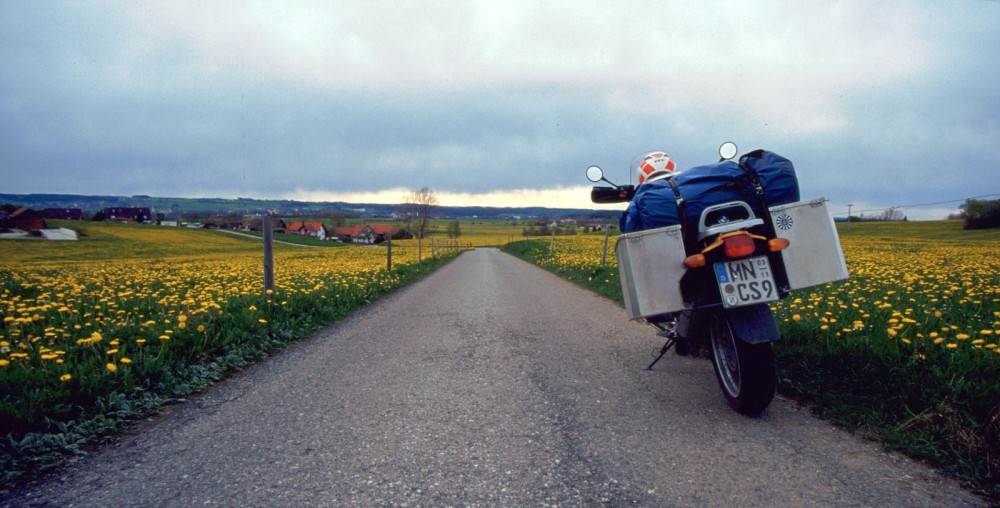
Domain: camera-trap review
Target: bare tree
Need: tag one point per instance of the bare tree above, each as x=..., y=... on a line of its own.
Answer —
x=417, y=207
x=892, y=214
x=454, y=229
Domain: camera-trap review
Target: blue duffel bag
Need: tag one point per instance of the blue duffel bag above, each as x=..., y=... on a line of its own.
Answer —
x=655, y=203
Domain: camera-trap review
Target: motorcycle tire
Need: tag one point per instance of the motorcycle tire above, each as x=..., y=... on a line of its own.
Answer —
x=746, y=372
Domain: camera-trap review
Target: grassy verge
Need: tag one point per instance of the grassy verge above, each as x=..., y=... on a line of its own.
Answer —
x=54, y=403
x=904, y=353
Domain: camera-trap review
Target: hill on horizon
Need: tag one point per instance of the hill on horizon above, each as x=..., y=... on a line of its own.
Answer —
x=178, y=207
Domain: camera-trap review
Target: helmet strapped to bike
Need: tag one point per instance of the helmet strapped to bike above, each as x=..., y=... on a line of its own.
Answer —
x=656, y=166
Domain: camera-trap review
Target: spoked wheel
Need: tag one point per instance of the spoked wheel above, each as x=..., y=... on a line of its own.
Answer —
x=745, y=372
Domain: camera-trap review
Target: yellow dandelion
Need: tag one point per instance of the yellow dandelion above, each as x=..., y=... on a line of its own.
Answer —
x=111, y=367
x=201, y=328
x=892, y=332
x=962, y=336
x=4, y=362
x=796, y=317
x=262, y=321
x=125, y=360
x=65, y=377
x=951, y=345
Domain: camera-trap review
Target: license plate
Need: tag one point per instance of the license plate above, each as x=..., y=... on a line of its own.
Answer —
x=745, y=282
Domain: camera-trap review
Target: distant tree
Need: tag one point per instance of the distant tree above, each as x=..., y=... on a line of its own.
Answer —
x=416, y=209
x=99, y=217
x=338, y=219
x=892, y=214
x=454, y=229
x=981, y=214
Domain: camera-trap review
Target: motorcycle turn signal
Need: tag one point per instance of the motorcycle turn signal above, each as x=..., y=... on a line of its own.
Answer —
x=694, y=261
x=777, y=244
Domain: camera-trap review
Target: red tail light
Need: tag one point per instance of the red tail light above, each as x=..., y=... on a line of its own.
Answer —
x=738, y=246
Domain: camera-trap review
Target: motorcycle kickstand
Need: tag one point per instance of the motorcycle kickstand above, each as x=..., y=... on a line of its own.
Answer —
x=670, y=334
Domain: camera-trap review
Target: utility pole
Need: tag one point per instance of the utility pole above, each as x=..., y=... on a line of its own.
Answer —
x=849, y=217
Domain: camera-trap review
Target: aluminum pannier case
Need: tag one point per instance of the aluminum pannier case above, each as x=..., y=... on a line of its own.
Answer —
x=814, y=256
x=650, y=265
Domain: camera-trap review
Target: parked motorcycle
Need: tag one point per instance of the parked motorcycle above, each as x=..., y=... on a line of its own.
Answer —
x=707, y=283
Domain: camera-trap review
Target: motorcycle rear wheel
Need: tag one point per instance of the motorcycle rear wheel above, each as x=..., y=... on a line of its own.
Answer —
x=746, y=372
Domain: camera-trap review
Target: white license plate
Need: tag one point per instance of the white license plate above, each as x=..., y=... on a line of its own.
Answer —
x=746, y=281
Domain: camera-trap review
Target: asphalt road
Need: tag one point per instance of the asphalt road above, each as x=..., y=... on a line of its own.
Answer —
x=490, y=383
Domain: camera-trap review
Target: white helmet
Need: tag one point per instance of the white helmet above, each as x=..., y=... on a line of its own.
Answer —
x=656, y=166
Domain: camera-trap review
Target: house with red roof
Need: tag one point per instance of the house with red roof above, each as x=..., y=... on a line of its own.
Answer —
x=370, y=233
x=313, y=229
x=24, y=219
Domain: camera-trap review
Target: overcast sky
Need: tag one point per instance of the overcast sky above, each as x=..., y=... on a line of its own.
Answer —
x=502, y=103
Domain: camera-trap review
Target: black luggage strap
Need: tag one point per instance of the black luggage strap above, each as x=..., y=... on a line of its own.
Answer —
x=680, y=207
x=759, y=191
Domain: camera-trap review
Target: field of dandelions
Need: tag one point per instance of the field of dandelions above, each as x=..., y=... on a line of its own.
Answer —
x=907, y=351
x=106, y=329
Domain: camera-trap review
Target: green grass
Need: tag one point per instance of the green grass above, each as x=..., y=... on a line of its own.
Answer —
x=216, y=326
x=937, y=230
x=936, y=404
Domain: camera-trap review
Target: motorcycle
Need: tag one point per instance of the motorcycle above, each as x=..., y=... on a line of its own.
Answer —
x=732, y=270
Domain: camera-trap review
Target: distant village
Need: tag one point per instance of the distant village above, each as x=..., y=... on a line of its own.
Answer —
x=23, y=222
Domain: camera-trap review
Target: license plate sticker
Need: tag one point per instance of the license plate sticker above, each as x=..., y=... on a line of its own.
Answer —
x=745, y=282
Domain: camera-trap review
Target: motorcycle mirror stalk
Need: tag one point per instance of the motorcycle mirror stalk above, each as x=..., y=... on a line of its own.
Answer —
x=614, y=194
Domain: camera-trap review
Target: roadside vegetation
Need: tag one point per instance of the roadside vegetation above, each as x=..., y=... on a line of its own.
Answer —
x=906, y=352
x=102, y=331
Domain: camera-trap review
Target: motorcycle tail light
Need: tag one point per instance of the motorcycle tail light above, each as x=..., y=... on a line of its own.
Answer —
x=738, y=246
x=777, y=244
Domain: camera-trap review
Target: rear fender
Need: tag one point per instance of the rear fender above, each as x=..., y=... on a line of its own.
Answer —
x=753, y=324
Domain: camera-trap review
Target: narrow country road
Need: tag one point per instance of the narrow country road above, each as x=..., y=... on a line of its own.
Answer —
x=489, y=383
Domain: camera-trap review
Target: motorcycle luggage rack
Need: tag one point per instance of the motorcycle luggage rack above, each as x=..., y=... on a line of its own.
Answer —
x=746, y=219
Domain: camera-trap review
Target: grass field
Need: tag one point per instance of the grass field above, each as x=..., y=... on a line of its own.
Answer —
x=905, y=352
x=101, y=331
x=97, y=332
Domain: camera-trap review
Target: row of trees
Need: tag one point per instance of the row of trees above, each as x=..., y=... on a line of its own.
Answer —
x=981, y=214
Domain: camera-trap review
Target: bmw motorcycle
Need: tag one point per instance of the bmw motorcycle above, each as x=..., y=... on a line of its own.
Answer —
x=727, y=266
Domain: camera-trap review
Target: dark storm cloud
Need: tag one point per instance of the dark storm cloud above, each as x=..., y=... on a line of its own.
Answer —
x=262, y=100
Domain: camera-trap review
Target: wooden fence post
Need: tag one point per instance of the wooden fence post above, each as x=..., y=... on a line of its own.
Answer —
x=268, y=258
x=604, y=255
x=388, y=255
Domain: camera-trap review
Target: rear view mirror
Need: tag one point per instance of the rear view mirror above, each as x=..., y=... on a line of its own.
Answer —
x=727, y=150
x=595, y=174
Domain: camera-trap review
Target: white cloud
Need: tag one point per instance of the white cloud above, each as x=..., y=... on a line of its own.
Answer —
x=564, y=197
